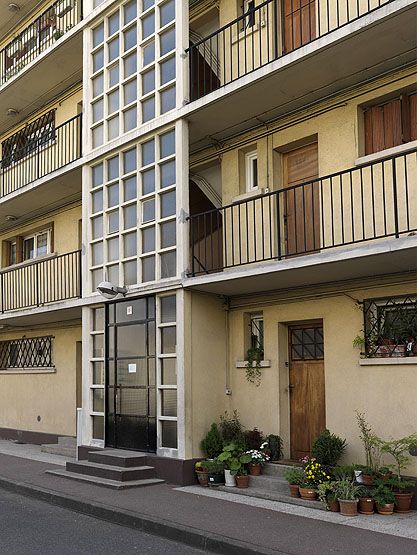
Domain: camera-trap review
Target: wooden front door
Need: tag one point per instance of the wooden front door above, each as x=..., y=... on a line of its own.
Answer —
x=299, y=23
x=302, y=203
x=306, y=386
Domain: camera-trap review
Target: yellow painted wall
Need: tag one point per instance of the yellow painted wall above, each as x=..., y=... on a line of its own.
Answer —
x=24, y=396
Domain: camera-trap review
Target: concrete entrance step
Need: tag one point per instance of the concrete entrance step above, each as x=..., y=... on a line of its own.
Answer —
x=104, y=482
x=277, y=469
x=117, y=457
x=66, y=447
x=111, y=472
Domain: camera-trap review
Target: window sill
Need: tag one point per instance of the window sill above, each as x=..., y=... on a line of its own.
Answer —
x=244, y=363
x=250, y=194
x=46, y=370
x=388, y=361
x=400, y=149
x=29, y=261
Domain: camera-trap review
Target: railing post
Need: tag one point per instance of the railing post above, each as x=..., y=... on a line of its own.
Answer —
x=395, y=196
x=278, y=219
x=192, y=246
x=80, y=281
x=37, y=283
x=2, y=292
x=275, y=28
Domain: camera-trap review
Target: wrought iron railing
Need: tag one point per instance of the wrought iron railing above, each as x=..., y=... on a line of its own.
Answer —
x=390, y=326
x=51, y=151
x=41, y=282
x=28, y=352
x=364, y=203
x=266, y=33
x=44, y=31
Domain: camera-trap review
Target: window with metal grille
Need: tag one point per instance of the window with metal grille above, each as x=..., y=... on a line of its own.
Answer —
x=33, y=352
x=391, y=326
x=35, y=134
x=256, y=331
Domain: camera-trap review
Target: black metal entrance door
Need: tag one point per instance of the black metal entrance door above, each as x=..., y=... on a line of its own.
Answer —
x=130, y=374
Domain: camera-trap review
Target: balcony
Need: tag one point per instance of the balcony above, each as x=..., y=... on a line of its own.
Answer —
x=41, y=283
x=49, y=159
x=330, y=227
x=52, y=43
x=284, y=60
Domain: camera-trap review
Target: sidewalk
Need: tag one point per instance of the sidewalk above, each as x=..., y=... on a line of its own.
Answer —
x=210, y=520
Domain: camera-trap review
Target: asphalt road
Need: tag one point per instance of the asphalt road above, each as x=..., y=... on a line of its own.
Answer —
x=29, y=526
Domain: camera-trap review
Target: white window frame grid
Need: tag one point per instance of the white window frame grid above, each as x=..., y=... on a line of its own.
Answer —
x=250, y=158
x=93, y=386
x=35, y=237
x=254, y=329
x=159, y=87
x=165, y=451
x=140, y=225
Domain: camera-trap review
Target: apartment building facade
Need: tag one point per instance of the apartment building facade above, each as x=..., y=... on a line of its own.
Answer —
x=248, y=173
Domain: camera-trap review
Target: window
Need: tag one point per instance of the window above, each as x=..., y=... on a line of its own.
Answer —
x=391, y=124
x=35, y=134
x=36, y=245
x=251, y=171
x=248, y=8
x=391, y=326
x=34, y=352
x=256, y=331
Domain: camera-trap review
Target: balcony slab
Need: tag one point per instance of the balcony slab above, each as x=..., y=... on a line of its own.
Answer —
x=380, y=258
x=343, y=59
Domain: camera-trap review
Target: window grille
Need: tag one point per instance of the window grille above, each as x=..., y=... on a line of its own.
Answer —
x=35, y=134
x=391, y=326
x=256, y=332
x=33, y=352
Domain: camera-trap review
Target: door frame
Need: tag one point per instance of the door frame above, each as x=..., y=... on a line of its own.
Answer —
x=297, y=325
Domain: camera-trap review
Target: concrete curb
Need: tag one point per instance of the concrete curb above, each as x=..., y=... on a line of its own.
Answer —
x=206, y=541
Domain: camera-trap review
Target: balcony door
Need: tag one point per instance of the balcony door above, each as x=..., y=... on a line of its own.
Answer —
x=301, y=200
x=299, y=23
x=131, y=375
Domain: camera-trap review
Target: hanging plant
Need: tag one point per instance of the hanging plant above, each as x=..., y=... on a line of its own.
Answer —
x=254, y=356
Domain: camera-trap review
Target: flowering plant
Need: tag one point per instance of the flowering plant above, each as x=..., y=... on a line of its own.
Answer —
x=257, y=457
x=314, y=472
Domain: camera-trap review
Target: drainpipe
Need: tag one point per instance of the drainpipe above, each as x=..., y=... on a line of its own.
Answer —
x=226, y=308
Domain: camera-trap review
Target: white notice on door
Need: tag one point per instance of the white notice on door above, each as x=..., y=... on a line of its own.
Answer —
x=131, y=368
x=129, y=312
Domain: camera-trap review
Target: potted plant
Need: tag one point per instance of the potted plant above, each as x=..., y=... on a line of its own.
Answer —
x=228, y=456
x=328, y=448
x=202, y=473
x=314, y=474
x=347, y=494
x=366, y=502
x=258, y=460
x=294, y=477
x=215, y=469
x=384, y=499
x=273, y=446
x=373, y=450
x=398, y=448
x=254, y=356
x=238, y=467
x=212, y=444
x=327, y=494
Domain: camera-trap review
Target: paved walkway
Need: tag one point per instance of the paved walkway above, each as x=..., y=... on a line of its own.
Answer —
x=31, y=452
x=211, y=520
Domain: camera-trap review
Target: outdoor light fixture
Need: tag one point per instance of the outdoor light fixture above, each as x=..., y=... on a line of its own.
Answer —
x=109, y=291
x=11, y=218
x=12, y=112
x=13, y=7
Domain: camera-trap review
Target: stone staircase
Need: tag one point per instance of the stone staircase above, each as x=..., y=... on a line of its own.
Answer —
x=272, y=485
x=66, y=447
x=111, y=468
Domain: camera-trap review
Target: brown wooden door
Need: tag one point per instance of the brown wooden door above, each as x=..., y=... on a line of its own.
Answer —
x=307, y=387
x=301, y=204
x=299, y=23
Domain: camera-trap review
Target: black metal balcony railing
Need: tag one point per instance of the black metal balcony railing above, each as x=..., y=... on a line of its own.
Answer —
x=28, y=352
x=364, y=203
x=44, y=31
x=266, y=33
x=51, y=151
x=41, y=282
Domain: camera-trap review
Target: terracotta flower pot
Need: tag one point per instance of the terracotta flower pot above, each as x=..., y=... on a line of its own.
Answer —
x=403, y=502
x=348, y=507
x=242, y=481
x=202, y=478
x=308, y=493
x=387, y=509
x=366, y=505
x=255, y=469
x=294, y=490
x=333, y=506
x=367, y=479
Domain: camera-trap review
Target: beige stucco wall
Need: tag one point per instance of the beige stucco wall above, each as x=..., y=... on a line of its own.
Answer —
x=387, y=394
x=52, y=396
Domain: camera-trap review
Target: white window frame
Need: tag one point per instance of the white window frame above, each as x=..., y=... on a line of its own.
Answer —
x=35, y=237
x=251, y=181
x=254, y=330
x=249, y=21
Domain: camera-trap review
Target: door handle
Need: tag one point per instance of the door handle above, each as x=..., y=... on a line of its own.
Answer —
x=291, y=386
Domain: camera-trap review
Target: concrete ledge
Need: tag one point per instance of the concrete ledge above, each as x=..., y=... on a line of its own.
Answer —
x=206, y=541
x=244, y=363
x=387, y=361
